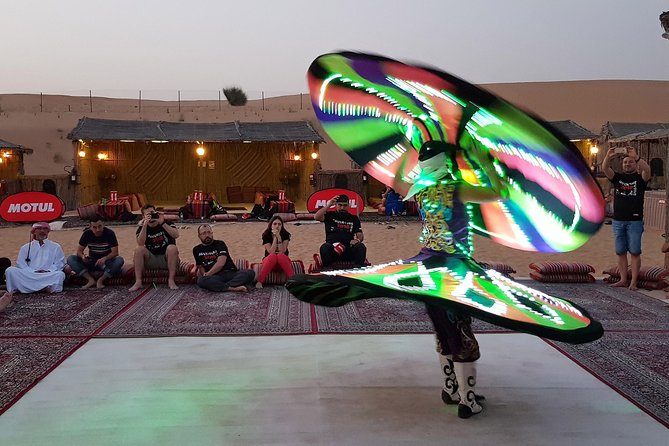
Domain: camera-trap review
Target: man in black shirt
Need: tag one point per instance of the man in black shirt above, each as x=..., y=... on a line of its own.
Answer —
x=629, y=186
x=102, y=254
x=343, y=234
x=156, y=247
x=215, y=269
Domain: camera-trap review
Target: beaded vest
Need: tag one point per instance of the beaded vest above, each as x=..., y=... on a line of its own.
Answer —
x=445, y=219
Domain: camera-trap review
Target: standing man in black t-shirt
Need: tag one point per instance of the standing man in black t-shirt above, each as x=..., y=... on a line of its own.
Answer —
x=156, y=247
x=102, y=254
x=629, y=187
x=343, y=234
x=215, y=269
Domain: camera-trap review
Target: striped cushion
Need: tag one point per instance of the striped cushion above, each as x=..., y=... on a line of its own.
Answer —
x=501, y=268
x=224, y=217
x=562, y=267
x=242, y=264
x=88, y=211
x=278, y=277
x=317, y=266
x=126, y=276
x=562, y=278
x=185, y=274
x=645, y=284
x=651, y=273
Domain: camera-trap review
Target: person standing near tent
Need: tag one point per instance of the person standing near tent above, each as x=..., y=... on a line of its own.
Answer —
x=343, y=234
x=630, y=187
x=39, y=266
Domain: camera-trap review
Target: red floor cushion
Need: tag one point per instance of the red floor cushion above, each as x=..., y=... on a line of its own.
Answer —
x=501, y=268
x=184, y=274
x=224, y=217
x=126, y=277
x=650, y=277
x=317, y=266
x=562, y=277
x=562, y=268
x=88, y=211
x=278, y=277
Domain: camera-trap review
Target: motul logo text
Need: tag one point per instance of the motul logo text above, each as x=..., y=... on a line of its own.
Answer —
x=352, y=203
x=30, y=207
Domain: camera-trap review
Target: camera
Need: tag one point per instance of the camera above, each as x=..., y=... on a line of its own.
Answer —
x=621, y=150
x=154, y=215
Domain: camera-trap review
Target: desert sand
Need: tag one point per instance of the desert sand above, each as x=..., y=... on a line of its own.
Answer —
x=386, y=241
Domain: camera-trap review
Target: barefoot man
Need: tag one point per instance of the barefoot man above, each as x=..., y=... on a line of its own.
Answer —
x=215, y=269
x=102, y=254
x=38, y=267
x=629, y=187
x=156, y=247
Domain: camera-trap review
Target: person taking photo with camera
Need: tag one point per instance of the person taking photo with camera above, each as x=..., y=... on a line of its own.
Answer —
x=156, y=247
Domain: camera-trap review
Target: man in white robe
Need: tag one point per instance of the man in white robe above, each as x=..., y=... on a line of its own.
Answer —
x=39, y=266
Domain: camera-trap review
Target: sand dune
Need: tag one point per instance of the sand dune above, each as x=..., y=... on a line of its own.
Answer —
x=589, y=103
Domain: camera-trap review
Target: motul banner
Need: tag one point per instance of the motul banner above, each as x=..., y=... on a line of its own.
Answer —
x=320, y=198
x=31, y=206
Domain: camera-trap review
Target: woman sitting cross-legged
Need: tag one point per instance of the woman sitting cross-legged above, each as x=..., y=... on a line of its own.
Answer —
x=275, y=240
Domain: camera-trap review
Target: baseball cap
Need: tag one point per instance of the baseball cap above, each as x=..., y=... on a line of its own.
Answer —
x=343, y=198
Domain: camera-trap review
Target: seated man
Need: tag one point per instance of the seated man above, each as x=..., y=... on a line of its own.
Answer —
x=215, y=269
x=392, y=202
x=343, y=234
x=156, y=247
x=39, y=266
x=102, y=254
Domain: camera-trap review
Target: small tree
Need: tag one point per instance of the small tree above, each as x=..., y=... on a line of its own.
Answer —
x=235, y=96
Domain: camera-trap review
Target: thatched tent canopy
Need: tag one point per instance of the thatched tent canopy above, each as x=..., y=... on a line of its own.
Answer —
x=107, y=129
x=161, y=159
x=573, y=131
x=612, y=130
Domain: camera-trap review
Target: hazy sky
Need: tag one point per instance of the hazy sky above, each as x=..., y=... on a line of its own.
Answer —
x=121, y=46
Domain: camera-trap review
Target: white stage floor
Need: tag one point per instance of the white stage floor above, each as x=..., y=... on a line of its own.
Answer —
x=317, y=390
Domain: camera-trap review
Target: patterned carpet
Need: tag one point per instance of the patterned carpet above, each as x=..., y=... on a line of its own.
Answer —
x=39, y=330
x=23, y=362
x=193, y=311
x=391, y=316
x=633, y=355
x=75, y=312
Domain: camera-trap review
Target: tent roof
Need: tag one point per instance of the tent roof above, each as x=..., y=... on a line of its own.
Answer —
x=619, y=129
x=572, y=131
x=108, y=129
x=18, y=147
x=643, y=136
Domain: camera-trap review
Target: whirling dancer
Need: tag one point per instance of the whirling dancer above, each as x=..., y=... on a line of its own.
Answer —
x=475, y=164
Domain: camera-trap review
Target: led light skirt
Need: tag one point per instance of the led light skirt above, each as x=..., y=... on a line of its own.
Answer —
x=455, y=283
x=380, y=112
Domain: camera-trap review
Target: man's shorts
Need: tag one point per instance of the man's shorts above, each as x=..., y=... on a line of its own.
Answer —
x=155, y=261
x=628, y=236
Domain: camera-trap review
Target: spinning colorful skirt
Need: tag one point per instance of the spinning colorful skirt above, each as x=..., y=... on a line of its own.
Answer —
x=381, y=112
